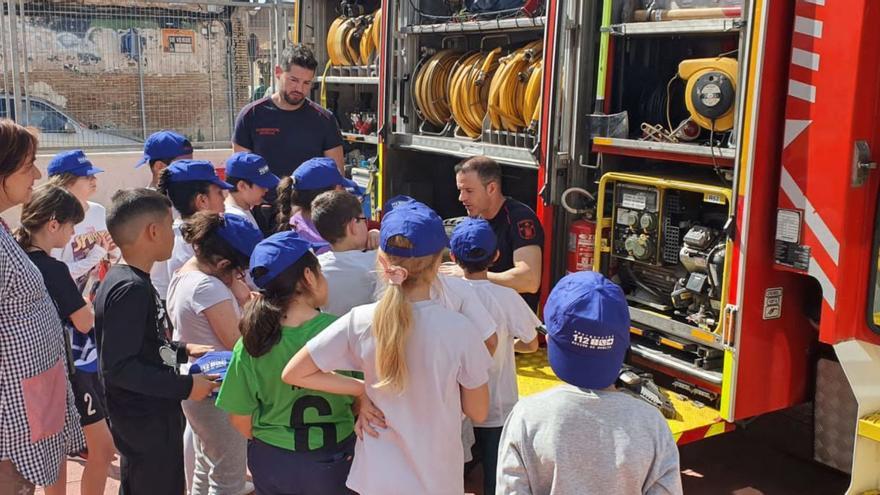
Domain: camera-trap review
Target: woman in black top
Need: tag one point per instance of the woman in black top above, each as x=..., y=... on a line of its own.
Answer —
x=47, y=222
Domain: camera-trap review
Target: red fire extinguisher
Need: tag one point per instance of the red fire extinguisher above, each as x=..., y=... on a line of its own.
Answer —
x=581, y=245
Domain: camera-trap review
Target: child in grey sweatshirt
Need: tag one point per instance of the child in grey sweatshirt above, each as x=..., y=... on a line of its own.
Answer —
x=585, y=437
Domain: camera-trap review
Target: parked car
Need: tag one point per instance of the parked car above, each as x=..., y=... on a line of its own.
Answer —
x=59, y=130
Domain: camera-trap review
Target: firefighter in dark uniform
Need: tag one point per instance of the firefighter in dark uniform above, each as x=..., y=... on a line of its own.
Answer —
x=520, y=235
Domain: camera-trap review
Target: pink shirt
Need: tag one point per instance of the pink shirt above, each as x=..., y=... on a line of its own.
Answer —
x=420, y=451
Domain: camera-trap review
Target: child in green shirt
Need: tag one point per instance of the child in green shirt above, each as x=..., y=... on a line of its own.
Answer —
x=299, y=438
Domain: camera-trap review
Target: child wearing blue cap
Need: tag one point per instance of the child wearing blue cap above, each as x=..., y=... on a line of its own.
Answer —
x=473, y=247
x=160, y=150
x=251, y=180
x=296, y=193
x=89, y=252
x=423, y=366
x=204, y=300
x=585, y=436
x=301, y=440
x=192, y=186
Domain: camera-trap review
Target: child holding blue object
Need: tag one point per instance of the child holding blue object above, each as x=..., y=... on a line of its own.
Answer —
x=204, y=303
x=301, y=440
x=473, y=247
x=423, y=366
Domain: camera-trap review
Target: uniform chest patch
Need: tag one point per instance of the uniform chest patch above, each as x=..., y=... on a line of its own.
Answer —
x=268, y=131
x=526, y=229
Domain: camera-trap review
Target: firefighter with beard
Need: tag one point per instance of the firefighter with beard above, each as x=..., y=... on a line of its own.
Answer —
x=287, y=128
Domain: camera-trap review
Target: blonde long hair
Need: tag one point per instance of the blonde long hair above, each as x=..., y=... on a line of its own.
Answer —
x=393, y=318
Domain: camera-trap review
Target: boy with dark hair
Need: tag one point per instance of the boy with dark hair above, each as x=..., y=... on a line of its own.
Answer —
x=251, y=180
x=138, y=359
x=586, y=436
x=474, y=248
x=162, y=148
x=348, y=266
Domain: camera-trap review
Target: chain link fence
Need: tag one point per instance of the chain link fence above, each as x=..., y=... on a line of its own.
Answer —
x=106, y=74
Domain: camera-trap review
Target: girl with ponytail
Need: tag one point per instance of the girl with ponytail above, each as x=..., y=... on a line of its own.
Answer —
x=302, y=440
x=423, y=366
x=296, y=193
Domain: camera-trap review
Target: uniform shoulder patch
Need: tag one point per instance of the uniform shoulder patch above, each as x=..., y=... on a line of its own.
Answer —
x=526, y=229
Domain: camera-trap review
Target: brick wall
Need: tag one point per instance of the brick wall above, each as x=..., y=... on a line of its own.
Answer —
x=112, y=101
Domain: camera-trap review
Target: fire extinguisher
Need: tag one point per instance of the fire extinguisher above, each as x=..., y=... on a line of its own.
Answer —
x=581, y=245
x=581, y=235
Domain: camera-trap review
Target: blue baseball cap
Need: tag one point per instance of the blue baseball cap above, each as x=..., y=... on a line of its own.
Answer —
x=320, y=173
x=248, y=166
x=396, y=201
x=587, y=322
x=165, y=145
x=212, y=363
x=419, y=224
x=473, y=240
x=195, y=170
x=72, y=162
x=277, y=253
x=240, y=233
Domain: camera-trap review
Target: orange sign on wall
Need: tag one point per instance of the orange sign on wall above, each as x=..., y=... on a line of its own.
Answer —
x=178, y=40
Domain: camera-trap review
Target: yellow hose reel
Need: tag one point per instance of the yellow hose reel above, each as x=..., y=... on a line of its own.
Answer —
x=515, y=92
x=353, y=40
x=710, y=94
x=469, y=87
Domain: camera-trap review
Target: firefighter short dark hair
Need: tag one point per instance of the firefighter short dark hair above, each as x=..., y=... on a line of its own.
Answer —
x=486, y=169
x=299, y=55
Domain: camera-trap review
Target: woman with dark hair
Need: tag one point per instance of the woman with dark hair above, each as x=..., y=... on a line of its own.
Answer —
x=39, y=421
x=204, y=303
x=296, y=193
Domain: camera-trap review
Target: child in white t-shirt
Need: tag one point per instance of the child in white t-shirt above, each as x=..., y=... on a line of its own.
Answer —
x=192, y=186
x=89, y=252
x=251, y=180
x=349, y=267
x=474, y=248
x=423, y=366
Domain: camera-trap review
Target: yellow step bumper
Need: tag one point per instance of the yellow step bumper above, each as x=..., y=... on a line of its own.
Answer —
x=694, y=422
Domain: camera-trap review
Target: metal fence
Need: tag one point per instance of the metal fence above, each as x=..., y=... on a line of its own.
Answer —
x=107, y=74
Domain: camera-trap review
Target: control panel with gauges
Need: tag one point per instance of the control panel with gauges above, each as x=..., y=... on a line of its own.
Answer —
x=665, y=242
x=636, y=234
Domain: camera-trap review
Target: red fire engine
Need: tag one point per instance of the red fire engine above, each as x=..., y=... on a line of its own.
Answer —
x=713, y=157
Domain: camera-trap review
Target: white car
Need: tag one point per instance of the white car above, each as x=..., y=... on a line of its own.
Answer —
x=59, y=130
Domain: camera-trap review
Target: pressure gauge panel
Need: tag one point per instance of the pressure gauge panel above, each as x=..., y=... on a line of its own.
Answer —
x=636, y=214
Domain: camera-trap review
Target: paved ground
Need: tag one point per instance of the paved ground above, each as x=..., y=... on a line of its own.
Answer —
x=771, y=455
x=768, y=456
